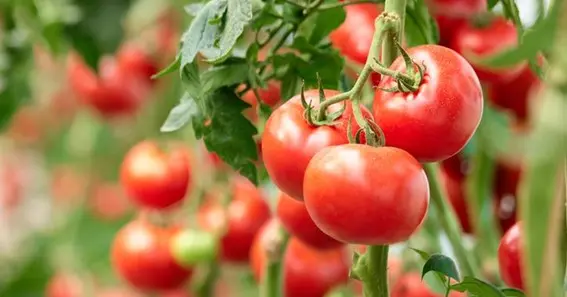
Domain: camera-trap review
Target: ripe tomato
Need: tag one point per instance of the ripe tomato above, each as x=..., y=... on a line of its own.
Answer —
x=436, y=121
x=108, y=202
x=455, y=188
x=141, y=255
x=116, y=292
x=269, y=96
x=154, y=179
x=307, y=272
x=457, y=166
x=514, y=95
x=64, y=285
x=495, y=37
x=354, y=36
x=510, y=257
x=385, y=188
x=244, y=215
x=287, y=136
x=136, y=62
x=296, y=220
x=505, y=191
x=411, y=285
x=458, y=8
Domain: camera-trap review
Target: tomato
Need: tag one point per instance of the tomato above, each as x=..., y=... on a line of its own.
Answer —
x=287, y=136
x=177, y=293
x=116, y=292
x=507, y=178
x=457, y=166
x=411, y=285
x=354, y=36
x=108, y=202
x=385, y=188
x=154, y=179
x=455, y=188
x=435, y=122
x=510, y=257
x=514, y=95
x=307, y=272
x=136, y=62
x=244, y=216
x=27, y=125
x=269, y=96
x=141, y=255
x=64, y=285
x=457, y=8
x=68, y=184
x=296, y=220
x=493, y=38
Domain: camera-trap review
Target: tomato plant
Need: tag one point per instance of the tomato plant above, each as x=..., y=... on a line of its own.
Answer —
x=412, y=285
x=510, y=257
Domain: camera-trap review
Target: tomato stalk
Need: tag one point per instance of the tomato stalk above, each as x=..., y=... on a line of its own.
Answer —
x=449, y=222
x=272, y=282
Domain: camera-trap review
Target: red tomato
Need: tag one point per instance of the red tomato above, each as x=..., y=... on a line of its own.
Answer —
x=244, y=215
x=495, y=37
x=68, y=184
x=385, y=188
x=455, y=188
x=458, y=8
x=154, y=179
x=296, y=220
x=307, y=272
x=514, y=95
x=457, y=166
x=28, y=125
x=435, y=122
x=63, y=285
x=287, y=136
x=176, y=293
x=505, y=191
x=510, y=257
x=136, y=62
x=411, y=285
x=354, y=36
x=117, y=292
x=108, y=202
x=141, y=256
x=269, y=96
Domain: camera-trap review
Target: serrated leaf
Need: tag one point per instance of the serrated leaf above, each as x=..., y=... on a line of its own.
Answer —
x=172, y=67
x=477, y=288
x=181, y=114
x=509, y=292
x=442, y=264
x=227, y=132
x=239, y=14
x=225, y=75
x=202, y=33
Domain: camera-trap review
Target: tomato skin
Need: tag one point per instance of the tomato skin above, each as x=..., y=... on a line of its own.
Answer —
x=456, y=194
x=287, y=136
x=460, y=8
x=381, y=187
x=456, y=167
x=64, y=285
x=510, y=257
x=108, y=202
x=307, y=272
x=296, y=220
x=514, y=95
x=411, y=285
x=499, y=35
x=507, y=179
x=154, y=179
x=448, y=104
x=353, y=37
x=141, y=255
x=136, y=62
x=245, y=215
x=269, y=96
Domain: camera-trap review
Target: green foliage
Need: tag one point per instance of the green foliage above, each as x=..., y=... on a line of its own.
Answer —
x=477, y=288
x=420, y=27
x=441, y=264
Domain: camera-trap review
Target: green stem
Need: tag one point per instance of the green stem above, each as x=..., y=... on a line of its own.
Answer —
x=389, y=50
x=346, y=3
x=206, y=287
x=449, y=222
x=272, y=283
x=376, y=276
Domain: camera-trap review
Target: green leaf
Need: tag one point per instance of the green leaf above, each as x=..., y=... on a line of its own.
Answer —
x=224, y=75
x=193, y=9
x=202, y=32
x=266, y=17
x=172, y=67
x=181, y=114
x=191, y=79
x=491, y=4
x=227, y=132
x=442, y=264
x=509, y=292
x=239, y=14
x=477, y=288
x=320, y=24
x=420, y=27
x=423, y=254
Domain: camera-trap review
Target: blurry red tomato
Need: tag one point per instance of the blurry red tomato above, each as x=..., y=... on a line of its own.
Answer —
x=108, y=201
x=411, y=285
x=68, y=184
x=64, y=285
x=136, y=62
x=455, y=188
x=510, y=257
x=507, y=178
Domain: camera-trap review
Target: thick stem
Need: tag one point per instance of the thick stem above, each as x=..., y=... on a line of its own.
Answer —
x=206, y=287
x=449, y=222
x=271, y=285
x=389, y=49
x=376, y=276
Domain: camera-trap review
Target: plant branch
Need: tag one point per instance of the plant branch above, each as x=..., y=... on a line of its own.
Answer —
x=271, y=285
x=346, y=3
x=397, y=10
x=376, y=281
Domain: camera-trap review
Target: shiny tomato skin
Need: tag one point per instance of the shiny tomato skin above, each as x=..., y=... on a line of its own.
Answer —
x=136, y=62
x=411, y=285
x=435, y=122
x=269, y=96
x=296, y=220
x=514, y=95
x=385, y=188
x=307, y=272
x=497, y=36
x=458, y=8
x=455, y=189
x=246, y=213
x=287, y=136
x=154, y=179
x=141, y=255
x=510, y=257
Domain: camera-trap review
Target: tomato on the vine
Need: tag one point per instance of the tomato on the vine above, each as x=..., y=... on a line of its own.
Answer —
x=456, y=195
x=457, y=166
x=141, y=255
x=296, y=220
x=269, y=96
x=436, y=121
x=489, y=39
x=354, y=36
x=510, y=257
x=307, y=272
x=289, y=141
x=457, y=8
x=507, y=179
x=244, y=215
x=385, y=188
x=412, y=285
x=136, y=62
x=154, y=179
